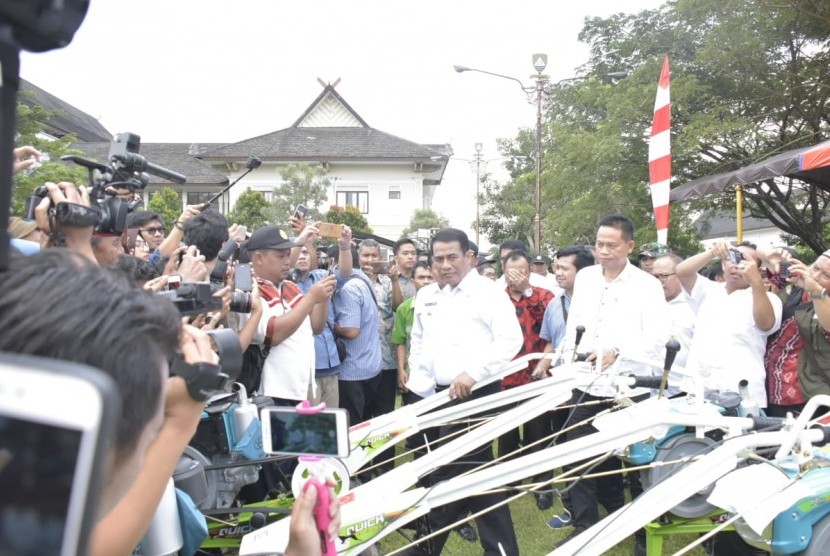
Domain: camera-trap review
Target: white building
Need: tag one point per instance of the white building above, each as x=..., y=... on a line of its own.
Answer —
x=382, y=175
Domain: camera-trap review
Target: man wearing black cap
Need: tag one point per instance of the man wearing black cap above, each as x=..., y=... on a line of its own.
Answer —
x=290, y=319
x=539, y=265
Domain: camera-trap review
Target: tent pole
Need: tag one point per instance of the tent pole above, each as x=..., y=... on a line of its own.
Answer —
x=739, y=206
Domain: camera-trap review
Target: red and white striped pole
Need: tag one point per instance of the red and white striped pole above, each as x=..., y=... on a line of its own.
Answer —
x=659, y=155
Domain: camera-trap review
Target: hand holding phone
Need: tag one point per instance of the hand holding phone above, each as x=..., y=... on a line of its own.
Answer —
x=300, y=212
x=379, y=267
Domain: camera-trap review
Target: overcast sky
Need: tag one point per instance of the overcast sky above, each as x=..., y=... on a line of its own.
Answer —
x=221, y=71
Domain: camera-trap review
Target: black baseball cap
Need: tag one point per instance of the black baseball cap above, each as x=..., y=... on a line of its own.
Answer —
x=540, y=259
x=269, y=237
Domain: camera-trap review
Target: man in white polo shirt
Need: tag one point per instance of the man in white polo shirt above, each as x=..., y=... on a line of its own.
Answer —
x=289, y=320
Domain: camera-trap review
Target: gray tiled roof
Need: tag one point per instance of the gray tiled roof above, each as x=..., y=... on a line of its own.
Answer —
x=66, y=118
x=326, y=144
x=178, y=157
x=710, y=225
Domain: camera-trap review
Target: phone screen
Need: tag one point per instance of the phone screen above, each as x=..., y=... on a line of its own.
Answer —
x=243, y=279
x=307, y=434
x=37, y=468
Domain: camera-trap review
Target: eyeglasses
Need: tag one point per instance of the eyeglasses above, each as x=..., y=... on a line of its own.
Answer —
x=154, y=230
x=663, y=277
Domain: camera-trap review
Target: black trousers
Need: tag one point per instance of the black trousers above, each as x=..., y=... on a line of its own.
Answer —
x=381, y=403
x=585, y=495
x=537, y=428
x=356, y=397
x=495, y=528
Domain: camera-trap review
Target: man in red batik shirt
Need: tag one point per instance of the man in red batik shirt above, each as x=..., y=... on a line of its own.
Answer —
x=530, y=303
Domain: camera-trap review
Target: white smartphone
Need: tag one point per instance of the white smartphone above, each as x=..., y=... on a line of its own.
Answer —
x=55, y=419
x=285, y=431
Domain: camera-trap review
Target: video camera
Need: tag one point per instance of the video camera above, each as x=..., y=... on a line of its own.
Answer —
x=204, y=380
x=125, y=174
x=240, y=301
x=193, y=298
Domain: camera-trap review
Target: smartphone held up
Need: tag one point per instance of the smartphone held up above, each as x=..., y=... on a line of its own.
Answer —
x=290, y=432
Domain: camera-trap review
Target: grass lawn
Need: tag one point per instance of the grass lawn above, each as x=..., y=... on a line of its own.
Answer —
x=532, y=531
x=534, y=536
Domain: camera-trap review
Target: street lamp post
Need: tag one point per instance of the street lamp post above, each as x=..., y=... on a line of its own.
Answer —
x=535, y=94
x=478, y=147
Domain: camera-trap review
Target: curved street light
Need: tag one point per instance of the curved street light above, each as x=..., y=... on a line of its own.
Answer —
x=538, y=90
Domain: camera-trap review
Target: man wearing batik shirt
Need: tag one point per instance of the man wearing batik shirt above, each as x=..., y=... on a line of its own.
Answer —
x=530, y=303
x=798, y=369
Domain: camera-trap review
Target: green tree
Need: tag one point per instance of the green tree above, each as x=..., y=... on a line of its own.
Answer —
x=302, y=184
x=166, y=202
x=748, y=80
x=349, y=215
x=249, y=210
x=30, y=125
x=424, y=219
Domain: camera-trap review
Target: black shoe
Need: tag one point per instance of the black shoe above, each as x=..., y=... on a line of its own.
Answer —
x=544, y=500
x=569, y=538
x=467, y=532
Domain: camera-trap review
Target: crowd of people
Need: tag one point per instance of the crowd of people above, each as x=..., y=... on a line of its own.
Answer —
x=359, y=331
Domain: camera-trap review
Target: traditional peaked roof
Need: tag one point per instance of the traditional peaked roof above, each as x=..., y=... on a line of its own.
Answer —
x=328, y=130
x=65, y=118
x=329, y=110
x=173, y=156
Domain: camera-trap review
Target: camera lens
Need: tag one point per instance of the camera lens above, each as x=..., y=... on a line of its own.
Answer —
x=241, y=302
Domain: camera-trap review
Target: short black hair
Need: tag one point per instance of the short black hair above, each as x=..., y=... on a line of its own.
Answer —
x=450, y=235
x=515, y=255
x=621, y=223
x=513, y=245
x=136, y=269
x=421, y=264
x=401, y=242
x=333, y=252
x=208, y=231
x=94, y=316
x=584, y=256
x=141, y=218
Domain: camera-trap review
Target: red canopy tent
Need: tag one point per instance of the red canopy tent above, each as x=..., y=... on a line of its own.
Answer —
x=808, y=164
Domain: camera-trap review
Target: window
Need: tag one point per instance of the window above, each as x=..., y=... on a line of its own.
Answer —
x=198, y=197
x=359, y=199
x=394, y=192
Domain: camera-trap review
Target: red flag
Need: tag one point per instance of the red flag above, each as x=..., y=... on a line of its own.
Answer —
x=659, y=155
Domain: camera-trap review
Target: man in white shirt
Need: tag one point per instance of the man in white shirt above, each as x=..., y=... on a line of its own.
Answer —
x=464, y=330
x=664, y=268
x=539, y=265
x=624, y=314
x=734, y=319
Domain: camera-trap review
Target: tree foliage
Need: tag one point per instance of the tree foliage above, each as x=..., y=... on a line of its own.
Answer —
x=30, y=125
x=424, y=219
x=349, y=215
x=249, y=210
x=748, y=80
x=167, y=203
x=302, y=184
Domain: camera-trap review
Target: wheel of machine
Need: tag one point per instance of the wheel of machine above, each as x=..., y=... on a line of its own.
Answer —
x=820, y=543
x=677, y=447
x=329, y=467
